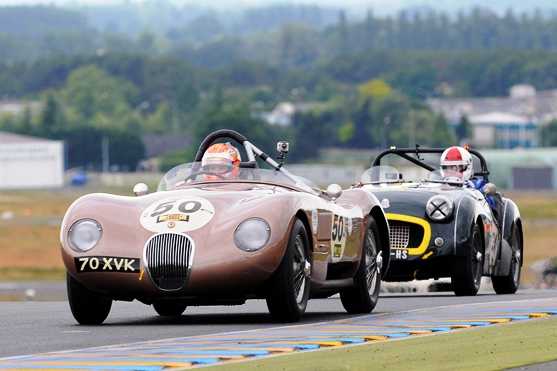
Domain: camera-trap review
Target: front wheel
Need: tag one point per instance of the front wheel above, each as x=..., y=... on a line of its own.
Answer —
x=466, y=274
x=363, y=298
x=88, y=307
x=169, y=308
x=288, y=289
x=509, y=284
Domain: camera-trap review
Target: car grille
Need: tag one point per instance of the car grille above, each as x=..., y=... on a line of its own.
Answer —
x=405, y=235
x=168, y=258
x=400, y=234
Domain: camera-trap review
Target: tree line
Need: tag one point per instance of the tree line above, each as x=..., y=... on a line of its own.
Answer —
x=278, y=35
x=360, y=98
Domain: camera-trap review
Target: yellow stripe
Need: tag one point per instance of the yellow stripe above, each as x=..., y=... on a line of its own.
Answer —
x=411, y=219
x=321, y=343
x=495, y=321
x=538, y=315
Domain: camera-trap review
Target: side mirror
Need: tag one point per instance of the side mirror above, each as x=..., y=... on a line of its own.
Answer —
x=334, y=191
x=490, y=189
x=140, y=189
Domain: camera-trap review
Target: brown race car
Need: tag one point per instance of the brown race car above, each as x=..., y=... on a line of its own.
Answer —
x=266, y=235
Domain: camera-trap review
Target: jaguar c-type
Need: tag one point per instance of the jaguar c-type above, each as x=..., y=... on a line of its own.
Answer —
x=268, y=234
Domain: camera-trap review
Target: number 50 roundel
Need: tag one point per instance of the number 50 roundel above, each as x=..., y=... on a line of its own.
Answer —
x=179, y=214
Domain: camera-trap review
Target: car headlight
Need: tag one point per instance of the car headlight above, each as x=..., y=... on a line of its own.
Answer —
x=252, y=234
x=84, y=235
x=439, y=208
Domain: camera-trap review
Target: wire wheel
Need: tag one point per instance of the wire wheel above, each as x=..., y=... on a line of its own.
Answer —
x=363, y=298
x=288, y=288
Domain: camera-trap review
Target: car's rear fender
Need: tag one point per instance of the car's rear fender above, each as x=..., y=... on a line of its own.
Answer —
x=511, y=217
x=512, y=226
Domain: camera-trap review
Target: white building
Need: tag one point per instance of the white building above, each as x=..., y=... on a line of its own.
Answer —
x=502, y=122
x=30, y=162
x=284, y=112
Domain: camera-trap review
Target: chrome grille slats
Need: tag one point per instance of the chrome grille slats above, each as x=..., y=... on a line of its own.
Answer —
x=168, y=258
x=400, y=234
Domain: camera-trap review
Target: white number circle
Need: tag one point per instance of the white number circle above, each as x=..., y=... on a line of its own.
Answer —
x=177, y=214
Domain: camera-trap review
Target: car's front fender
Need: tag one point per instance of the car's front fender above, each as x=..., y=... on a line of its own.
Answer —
x=465, y=218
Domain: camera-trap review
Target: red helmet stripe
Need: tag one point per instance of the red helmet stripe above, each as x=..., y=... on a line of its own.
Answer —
x=453, y=155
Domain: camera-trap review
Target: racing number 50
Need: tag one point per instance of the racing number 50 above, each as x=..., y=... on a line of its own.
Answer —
x=189, y=206
x=338, y=228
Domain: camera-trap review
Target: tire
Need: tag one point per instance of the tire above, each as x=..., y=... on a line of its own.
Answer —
x=88, y=307
x=466, y=274
x=363, y=298
x=169, y=308
x=509, y=284
x=288, y=288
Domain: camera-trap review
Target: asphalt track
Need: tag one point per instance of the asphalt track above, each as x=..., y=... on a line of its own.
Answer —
x=211, y=349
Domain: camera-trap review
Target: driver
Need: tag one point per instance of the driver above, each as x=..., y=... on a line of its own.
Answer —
x=223, y=159
x=457, y=162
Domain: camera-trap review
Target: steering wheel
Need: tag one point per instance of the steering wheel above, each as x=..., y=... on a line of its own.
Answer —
x=201, y=172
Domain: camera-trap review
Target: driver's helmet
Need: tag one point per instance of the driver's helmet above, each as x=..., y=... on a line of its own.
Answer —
x=223, y=159
x=456, y=162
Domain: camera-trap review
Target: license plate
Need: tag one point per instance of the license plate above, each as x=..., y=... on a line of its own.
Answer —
x=399, y=254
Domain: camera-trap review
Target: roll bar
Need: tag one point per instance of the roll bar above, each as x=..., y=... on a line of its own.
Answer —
x=407, y=152
x=252, y=151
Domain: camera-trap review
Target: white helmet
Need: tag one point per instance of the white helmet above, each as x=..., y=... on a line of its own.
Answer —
x=456, y=161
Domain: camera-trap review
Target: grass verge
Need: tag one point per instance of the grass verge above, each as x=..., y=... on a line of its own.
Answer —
x=496, y=347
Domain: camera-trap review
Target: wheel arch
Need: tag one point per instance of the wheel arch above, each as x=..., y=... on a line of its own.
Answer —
x=465, y=220
x=512, y=225
x=305, y=221
x=520, y=232
x=479, y=223
x=384, y=236
x=511, y=217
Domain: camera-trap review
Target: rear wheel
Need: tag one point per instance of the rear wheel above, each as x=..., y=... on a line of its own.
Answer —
x=88, y=307
x=509, y=284
x=466, y=274
x=288, y=289
x=169, y=308
x=363, y=298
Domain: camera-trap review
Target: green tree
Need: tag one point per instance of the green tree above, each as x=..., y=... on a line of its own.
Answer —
x=172, y=81
x=363, y=133
x=161, y=121
x=233, y=118
x=374, y=88
x=463, y=129
x=68, y=42
x=296, y=46
x=98, y=98
x=200, y=30
x=51, y=117
x=315, y=130
x=419, y=82
x=548, y=134
x=26, y=121
x=343, y=37
x=84, y=145
x=444, y=136
x=346, y=132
